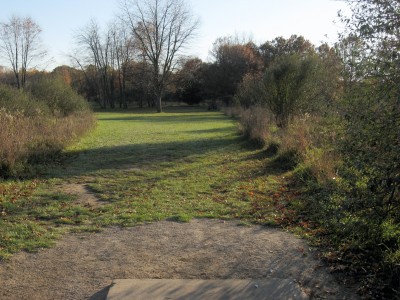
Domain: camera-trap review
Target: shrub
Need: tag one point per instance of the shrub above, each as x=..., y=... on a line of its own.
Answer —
x=16, y=100
x=232, y=111
x=32, y=132
x=309, y=141
x=313, y=141
x=34, y=139
x=61, y=99
x=255, y=124
x=370, y=147
x=289, y=87
x=249, y=92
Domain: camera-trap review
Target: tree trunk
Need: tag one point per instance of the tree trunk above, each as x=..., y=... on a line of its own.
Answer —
x=112, y=91
x=17, y=79
x=158, y=103
x=124, y=101
x=121, y=92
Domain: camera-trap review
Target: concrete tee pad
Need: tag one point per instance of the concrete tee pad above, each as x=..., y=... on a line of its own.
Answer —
x=179, y=289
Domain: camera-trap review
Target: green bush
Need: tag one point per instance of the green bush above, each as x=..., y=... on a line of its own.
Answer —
x=16, y=100
x=250, y=92
x=292, y=86
x=61, y=99
x=289, y=87
x=370, y=147
x=359, y=211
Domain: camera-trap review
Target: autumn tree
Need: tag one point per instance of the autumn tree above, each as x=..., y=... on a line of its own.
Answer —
x=298, y=78
x=233, y=59
x=21, y=46
x=190, y=81
x=278, y=47
x=162, y=29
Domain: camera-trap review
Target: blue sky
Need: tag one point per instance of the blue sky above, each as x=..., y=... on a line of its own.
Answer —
x=262, y=19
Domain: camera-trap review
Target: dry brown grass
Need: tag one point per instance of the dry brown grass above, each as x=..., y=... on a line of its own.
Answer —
x=306, y=137
x=254, y=123
x=25, y=138
x=232, y=111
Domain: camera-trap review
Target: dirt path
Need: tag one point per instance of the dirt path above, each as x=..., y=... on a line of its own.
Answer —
x=82, y=266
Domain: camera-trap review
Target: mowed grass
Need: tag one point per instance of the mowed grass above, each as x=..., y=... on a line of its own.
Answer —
x=143, y=167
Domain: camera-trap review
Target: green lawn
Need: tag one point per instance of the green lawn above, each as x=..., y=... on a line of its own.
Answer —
x=182, y=164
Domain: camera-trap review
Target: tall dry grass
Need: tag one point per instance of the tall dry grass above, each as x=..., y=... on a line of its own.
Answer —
x=255, y=123
x=27, y=139
x=308, y=139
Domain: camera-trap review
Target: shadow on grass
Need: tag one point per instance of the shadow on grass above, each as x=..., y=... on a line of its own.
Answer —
x=152, y=110
x=212, y=130
x=138, y=156
x=195, y=118
x=270, y=152
x=279, y=163
x=272, y=162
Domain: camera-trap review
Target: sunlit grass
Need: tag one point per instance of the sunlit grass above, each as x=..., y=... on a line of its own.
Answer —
x=145, y=167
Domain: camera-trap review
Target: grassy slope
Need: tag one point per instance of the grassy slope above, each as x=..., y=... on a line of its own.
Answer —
x=145, y=167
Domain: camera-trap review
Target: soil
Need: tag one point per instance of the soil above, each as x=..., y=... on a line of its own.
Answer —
x=82, y=266
x=84, y=196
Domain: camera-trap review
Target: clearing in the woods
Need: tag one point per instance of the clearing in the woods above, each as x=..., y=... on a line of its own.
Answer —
x=137, y=167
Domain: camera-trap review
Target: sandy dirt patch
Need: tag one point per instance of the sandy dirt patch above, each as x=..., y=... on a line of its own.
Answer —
x=82, y=266
x=84, y=196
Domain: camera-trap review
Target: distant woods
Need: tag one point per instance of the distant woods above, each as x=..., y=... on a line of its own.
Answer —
x=138, y=59
x=135, y=58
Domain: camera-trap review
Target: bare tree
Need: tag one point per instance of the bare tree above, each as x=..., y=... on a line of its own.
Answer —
x=123, y=49
x=161, y=28
x=97, y=51
x=21, y=45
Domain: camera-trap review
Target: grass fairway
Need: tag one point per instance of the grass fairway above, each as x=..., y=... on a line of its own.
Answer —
x=143, y=167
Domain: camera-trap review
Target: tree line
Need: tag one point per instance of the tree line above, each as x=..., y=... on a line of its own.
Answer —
x=137, y=59
x=144, y=43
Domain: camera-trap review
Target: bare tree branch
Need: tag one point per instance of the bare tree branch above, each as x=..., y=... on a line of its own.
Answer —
x=21, y=46
x=161, y=28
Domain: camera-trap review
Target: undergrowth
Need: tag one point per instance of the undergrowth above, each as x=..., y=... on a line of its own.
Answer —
x=349, y=210
x=36, y=124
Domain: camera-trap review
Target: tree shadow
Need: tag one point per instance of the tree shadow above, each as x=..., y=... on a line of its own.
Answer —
x=136, y=156
x=100, y=295
x=270, y=152
x=195, y=118
x=212, y=130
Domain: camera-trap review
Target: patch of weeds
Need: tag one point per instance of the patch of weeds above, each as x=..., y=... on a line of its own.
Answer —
x=181, y=218
x=244, y=223
x=27, y=235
